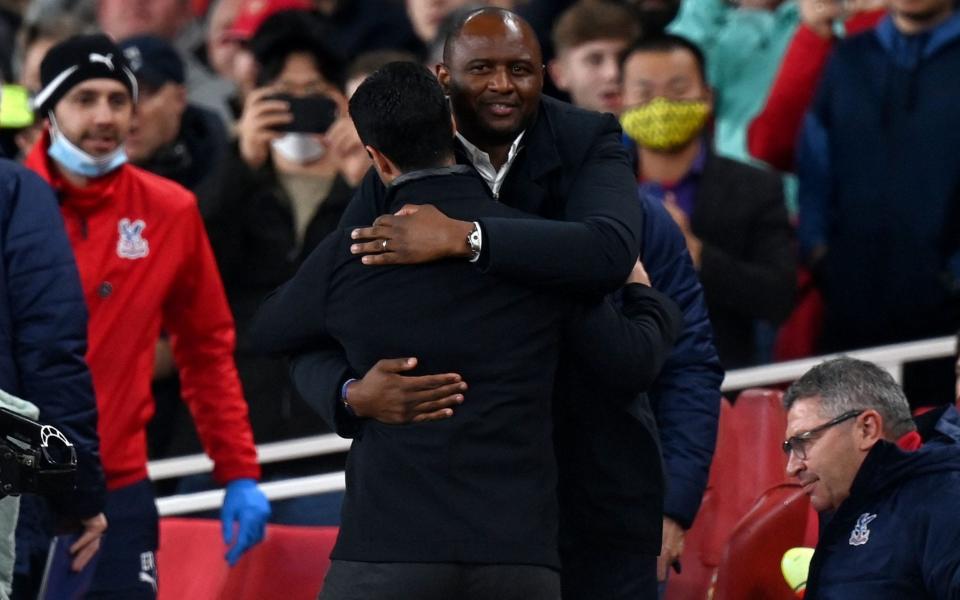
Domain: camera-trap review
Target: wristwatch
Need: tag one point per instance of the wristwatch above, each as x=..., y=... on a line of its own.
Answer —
x=475, y=242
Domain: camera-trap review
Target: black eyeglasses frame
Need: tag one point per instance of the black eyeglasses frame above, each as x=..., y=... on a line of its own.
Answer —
x=796, y=444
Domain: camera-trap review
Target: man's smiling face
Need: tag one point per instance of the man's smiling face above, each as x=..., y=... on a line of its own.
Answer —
x=95, y=115
x=493, y=74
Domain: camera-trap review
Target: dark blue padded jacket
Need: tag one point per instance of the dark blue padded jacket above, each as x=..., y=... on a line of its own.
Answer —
x=43, y=327
x=686, y=395
x=896, y=535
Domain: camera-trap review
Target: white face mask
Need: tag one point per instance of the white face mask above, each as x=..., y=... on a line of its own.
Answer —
x=301, y=148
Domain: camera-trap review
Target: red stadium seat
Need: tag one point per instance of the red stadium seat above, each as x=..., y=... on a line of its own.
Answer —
x=750, y=566
x=290, y=563
x=190, y=560
x=748, y=460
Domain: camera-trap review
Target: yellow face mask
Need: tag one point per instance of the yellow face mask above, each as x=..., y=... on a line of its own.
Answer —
x=663, y=124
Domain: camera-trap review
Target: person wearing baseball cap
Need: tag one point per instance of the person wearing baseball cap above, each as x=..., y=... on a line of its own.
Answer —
x=145, y=265
x=253, y=13
x=169, y=135
x=250, y=17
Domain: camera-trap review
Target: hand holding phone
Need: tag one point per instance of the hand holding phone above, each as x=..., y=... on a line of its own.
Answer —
x=310, y=114
x=258, y=124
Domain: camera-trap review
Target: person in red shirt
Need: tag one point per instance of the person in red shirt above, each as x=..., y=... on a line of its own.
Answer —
x=772, y=136
x=145, y=264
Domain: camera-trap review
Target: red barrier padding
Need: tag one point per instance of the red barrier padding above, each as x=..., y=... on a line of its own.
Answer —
x=290, y=563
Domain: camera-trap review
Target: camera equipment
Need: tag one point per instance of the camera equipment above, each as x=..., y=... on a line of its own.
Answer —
x=311, y=114
x=34, y=458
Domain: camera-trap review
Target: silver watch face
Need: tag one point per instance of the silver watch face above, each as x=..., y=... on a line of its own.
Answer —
x=473, y=240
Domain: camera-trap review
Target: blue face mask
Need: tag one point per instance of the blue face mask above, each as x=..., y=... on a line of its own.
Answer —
x=76, y=160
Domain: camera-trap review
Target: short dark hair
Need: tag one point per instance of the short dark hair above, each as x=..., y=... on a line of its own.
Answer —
x=293, y=32
x=401, y=111
x=588, y=21
x=667, y=42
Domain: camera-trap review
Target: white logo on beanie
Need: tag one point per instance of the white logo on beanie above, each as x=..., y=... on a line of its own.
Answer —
x=106, y=59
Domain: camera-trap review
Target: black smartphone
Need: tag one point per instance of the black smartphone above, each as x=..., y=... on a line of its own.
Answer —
x=311, y=114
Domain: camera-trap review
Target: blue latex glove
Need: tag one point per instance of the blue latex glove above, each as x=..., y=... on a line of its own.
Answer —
x=246, y=506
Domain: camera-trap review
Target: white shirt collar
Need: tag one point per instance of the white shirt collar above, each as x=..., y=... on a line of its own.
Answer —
x=481, y=162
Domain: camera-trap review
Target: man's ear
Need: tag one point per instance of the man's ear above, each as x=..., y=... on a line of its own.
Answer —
x=868, y=429
x=443, y=76
x=383, y=165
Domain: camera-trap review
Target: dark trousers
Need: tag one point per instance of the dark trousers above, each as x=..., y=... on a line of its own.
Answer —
x=126, y=565
x=597, y=572
x=349, y=580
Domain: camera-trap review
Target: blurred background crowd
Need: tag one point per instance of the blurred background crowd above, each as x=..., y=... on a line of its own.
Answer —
x=806, y=149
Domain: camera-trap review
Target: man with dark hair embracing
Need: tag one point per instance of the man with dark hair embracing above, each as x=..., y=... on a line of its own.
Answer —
x=485, y=478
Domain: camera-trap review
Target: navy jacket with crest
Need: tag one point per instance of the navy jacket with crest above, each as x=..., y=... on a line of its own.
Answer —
x=898, y=533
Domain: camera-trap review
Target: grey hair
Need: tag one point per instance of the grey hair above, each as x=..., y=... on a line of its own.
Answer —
x=847, y=384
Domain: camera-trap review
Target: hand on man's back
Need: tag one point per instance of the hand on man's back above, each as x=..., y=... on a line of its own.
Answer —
x=415, y=234
x=383, y=394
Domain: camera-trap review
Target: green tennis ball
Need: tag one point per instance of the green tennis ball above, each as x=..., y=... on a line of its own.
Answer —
x=796, y=566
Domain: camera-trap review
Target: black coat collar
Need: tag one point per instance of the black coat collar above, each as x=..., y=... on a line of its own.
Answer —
x=538, y=148
x=542, y=155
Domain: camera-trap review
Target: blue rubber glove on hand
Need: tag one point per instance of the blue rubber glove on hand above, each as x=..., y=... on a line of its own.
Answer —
x=246, y=506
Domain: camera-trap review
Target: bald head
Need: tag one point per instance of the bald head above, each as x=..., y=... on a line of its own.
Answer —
x=493, y=24
x=492, y=71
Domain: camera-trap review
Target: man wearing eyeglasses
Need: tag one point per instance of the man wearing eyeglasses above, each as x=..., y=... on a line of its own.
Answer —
x=889, y=486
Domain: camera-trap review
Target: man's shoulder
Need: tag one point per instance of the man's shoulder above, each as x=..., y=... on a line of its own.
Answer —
x=741, y=173
x=13, y=175
x=199, y=120
x=159, y=191
x=940, y=461
x=927, y=479
x=567, y=135
x=24, y=191
x=859, y=46
x=572, y=122
x=333, y=251
x=11, y=170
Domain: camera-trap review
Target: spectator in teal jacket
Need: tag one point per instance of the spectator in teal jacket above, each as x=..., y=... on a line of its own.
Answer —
x=743, y=43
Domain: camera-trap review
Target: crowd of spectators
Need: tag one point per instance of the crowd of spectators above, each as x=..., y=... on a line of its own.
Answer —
x=720, y=101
